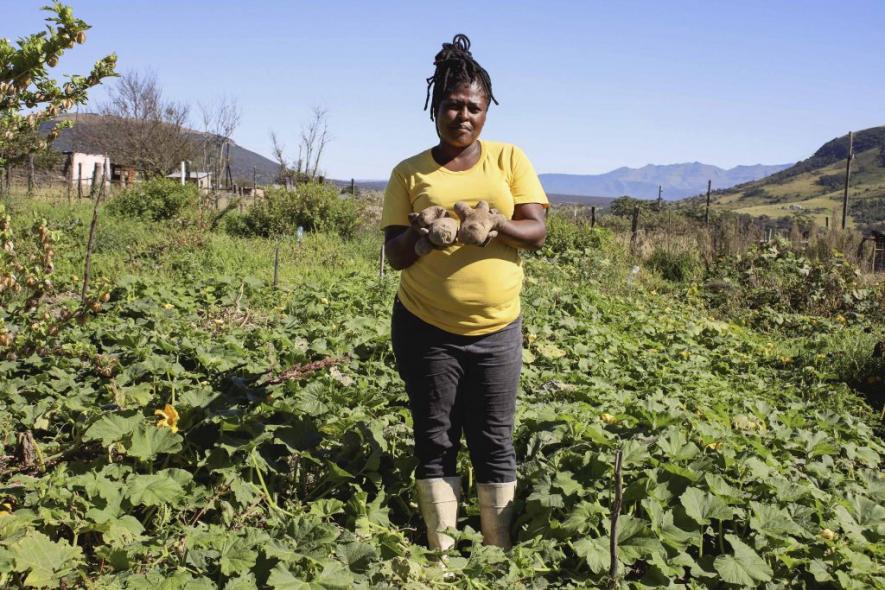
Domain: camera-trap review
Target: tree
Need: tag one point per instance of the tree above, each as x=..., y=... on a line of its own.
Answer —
x=29, y=96
x=220, y=119
x=139, y=126
x=314, y=137
x=279, y=154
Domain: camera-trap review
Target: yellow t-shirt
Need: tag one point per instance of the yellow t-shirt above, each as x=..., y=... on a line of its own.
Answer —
x=466, y=290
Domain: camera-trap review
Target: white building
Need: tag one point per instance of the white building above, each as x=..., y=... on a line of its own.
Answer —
x=85, y=167
x=203, y=180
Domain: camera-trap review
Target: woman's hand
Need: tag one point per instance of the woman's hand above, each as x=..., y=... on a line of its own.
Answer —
x=527, y=230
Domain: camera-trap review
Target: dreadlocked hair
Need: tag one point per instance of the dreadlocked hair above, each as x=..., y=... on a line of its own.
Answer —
x=454, y=66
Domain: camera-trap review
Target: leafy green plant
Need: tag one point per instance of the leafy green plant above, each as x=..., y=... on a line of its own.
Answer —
x=312, y=205
x=564, y=234
x=677, y=266
x=778, y=278
x=215, y=432
x=156, y=199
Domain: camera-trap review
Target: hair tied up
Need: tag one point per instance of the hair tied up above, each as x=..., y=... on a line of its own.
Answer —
x=454, y=65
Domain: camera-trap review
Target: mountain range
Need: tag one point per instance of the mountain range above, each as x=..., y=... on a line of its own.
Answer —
x=676, y=180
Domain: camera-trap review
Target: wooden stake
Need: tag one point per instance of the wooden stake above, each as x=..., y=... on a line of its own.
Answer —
x=634, y=227
x=847, y=177
x=592, y=216
x=30, y=174
x=707, y=211
x=352, y=187
x=69, y=174
x=381, y=262
x=79, y=180
x=276, y=265
x=89, y=244
x=615, y=513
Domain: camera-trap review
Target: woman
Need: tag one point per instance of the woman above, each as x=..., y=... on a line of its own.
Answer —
x=456, y=325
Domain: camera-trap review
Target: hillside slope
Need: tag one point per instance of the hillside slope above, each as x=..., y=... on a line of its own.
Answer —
x=813, y=188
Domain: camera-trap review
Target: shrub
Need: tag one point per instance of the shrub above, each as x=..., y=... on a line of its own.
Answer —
x=831, y=181
x=675, y=266
x=565, y=234
x=155, y=199
x=313, y=206
x=780, y=279
x=755, y=192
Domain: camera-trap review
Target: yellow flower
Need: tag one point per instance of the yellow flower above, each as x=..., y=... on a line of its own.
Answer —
x=841, y=318
x=608, y=418
x=168, y=418
x=715, y=445
x=5, y=509
x=827, y=534
x=168, y=306
x=324, y=301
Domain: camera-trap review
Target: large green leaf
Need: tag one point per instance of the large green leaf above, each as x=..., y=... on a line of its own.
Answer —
x=148, y=441
x=44, y=560
x=702, y=507
x=154, y=489
x=744, y=567
x=236, y=556
x=773, y=521
x=112, y=428
x=595, y=552
x=282, y=579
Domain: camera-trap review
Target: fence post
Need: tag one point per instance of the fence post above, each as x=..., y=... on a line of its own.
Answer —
x=634, y=228
x=707, y=211
x=827, y=222
x=69, y=176
x=847, y=176
x=276, y=265
x=615, y=513
x=592, y=216
x=254, y=181
x=381, y=262
x=79, y=180
x=352, y=187
x=87, y=267
x=30, y=174
x=92, y=184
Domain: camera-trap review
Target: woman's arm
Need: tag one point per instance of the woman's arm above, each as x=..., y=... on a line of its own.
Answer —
x=528, y=228
x=399, y=245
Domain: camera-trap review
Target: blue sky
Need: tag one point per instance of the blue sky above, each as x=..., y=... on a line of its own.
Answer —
x=584, y=87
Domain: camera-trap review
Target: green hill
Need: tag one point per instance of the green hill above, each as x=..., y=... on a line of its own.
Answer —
x=813, y=188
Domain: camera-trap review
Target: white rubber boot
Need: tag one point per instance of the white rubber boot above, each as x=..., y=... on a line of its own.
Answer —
x=438, y=499
x=496, y=512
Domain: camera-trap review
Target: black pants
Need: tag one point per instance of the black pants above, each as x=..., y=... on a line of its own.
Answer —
x=459, y=384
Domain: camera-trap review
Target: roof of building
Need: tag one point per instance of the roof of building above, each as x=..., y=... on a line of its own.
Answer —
x=191, y=174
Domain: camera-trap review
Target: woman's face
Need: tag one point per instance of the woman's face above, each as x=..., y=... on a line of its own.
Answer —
x=462, y=114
